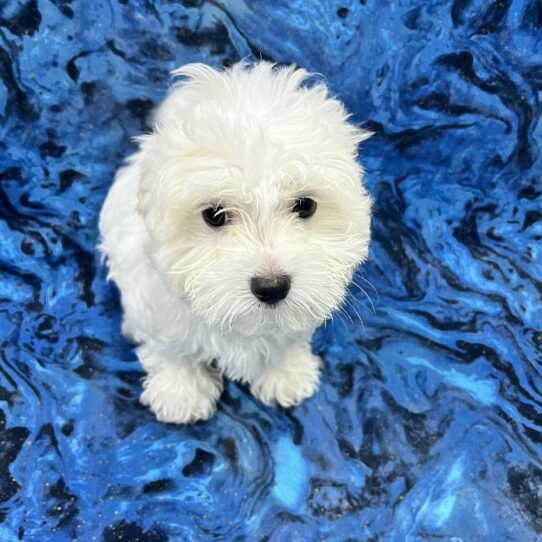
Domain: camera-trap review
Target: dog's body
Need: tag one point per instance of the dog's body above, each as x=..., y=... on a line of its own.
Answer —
x=233, y=233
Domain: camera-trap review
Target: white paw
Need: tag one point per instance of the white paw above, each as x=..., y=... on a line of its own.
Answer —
x=296, y=380
x=182, y=393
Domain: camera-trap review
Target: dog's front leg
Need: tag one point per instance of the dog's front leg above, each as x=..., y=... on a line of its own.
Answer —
x=288, y=384
x=177, y=390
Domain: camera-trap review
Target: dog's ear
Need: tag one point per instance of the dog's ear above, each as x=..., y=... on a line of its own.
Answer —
x=151, y=206
x=143, y=202
x=166, y=115
x=148, y=204
x=146, y=180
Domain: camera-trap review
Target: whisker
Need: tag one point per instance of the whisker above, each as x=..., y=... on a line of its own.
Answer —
x=373, y=308
x=371, y=285
x=353, y=307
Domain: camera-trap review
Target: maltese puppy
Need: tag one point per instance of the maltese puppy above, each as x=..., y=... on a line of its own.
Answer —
x=233, y=233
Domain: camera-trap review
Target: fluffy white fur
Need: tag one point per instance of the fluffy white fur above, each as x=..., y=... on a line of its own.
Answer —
x=253, y=139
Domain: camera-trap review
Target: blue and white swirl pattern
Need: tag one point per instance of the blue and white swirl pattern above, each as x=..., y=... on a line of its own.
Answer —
x=428, y=423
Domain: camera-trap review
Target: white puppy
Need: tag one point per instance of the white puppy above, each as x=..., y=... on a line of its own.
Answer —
x=233, y=233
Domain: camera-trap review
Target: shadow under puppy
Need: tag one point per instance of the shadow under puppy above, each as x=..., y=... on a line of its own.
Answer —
x=233, y=233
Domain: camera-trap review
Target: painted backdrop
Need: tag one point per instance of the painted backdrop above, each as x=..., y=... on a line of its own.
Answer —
x=428, y=424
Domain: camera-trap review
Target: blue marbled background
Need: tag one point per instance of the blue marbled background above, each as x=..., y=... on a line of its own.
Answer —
x=428, y=425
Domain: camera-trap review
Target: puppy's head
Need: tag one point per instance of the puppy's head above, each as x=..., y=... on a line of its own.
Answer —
x=253, y=197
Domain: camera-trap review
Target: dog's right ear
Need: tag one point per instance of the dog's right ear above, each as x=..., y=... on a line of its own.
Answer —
x=188, y=79
x=143, y=202
x=144, y=189
x=148, y=204
x=165, y=115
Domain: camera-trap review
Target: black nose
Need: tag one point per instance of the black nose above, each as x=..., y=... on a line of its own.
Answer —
x=270, y=290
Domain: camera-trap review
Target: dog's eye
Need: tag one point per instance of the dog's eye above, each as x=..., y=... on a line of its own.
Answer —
x=304, y=207
x=215, y=217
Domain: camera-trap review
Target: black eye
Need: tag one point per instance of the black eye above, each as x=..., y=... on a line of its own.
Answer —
x=304, y=207
x=215, y=216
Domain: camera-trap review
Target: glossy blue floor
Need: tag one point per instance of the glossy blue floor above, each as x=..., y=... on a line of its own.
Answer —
x=428, y=423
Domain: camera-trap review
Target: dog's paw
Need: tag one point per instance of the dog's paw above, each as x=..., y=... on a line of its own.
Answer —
x=297, y=379
x=182, y=393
